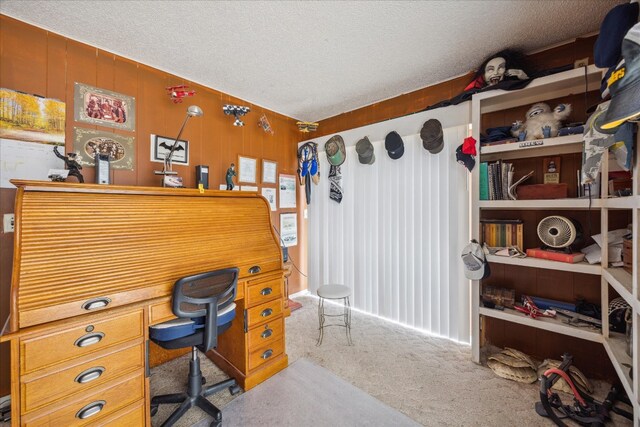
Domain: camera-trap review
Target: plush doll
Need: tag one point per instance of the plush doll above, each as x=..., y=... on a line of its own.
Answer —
x=541, y=122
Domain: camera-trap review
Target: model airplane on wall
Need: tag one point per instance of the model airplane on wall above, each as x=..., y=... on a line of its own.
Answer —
x=176, y=93
x=307, y=126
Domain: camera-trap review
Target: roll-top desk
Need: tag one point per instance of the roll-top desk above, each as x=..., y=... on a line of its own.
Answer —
x=94, y=266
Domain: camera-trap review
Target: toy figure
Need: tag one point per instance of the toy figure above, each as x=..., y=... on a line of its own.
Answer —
x=231, y=172
x=541, y=122
x=504, y=65
x=70, y=163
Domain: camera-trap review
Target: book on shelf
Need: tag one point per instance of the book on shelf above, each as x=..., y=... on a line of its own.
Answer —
x=571, y=258
x=502, y=232
x=484, y=181
x=499, y=176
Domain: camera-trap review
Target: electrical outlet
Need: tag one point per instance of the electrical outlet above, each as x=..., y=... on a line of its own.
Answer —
x=8, y=221
x=581, y=63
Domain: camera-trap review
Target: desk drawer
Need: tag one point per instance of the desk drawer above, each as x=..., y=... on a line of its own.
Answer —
x=42, y=391
x=265, y=354
x=260, y=293
x=263, y=313
x=267, y=333
x=94, y=406
x=79, y=340
x=130, y=416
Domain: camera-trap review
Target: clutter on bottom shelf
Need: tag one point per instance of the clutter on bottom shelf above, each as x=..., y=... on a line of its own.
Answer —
x=585, y=409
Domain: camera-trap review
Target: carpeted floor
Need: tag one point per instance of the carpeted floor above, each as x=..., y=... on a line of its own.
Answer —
x=310, y=395
x=431, y=380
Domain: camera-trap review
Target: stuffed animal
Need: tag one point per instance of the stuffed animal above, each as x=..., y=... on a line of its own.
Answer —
x=541, y=122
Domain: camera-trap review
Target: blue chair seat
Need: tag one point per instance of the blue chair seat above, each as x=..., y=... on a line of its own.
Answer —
x=183, y=328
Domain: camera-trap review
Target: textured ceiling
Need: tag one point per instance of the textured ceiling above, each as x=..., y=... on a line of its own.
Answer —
x=312, y=60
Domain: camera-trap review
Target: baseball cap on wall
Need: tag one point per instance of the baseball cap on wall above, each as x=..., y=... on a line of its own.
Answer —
x=365, y=151
x=624, y=84
x=465, y=159
x=476, y=266
x=336, y=152
x=394, y=145
x=432, y=136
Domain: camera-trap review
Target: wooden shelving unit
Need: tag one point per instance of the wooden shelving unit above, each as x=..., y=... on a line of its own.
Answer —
x=623, y=283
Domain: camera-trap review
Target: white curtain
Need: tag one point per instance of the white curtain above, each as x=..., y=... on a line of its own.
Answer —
x=396, y=237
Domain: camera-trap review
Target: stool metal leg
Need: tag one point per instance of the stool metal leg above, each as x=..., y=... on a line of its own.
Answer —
x=348, y=321
x=320, y=321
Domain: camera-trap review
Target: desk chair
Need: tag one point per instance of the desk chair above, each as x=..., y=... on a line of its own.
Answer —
x=205, y=308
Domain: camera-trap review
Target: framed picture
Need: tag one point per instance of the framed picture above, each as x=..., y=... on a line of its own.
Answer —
x=289, y=229
x=119, y=148
x=104, y=107
x=287, y=191
x=161, y=146
x=269, y=171
x=270, y=195
x=247, y=169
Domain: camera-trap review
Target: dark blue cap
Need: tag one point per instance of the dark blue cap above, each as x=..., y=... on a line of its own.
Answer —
x=608, y=47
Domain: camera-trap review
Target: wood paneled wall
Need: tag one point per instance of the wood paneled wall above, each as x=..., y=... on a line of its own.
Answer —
x=36, y=61
x=420, y=99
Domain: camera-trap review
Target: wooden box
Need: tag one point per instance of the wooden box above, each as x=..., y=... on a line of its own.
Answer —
x=543, y=191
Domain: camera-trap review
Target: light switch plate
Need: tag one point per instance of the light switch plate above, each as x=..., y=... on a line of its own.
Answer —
x=8, y=223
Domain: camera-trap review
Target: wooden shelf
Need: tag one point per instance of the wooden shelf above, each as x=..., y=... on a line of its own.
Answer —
x=630, y=202
x=545, y=204
x=518, y=150
x=621, y=281
x=580, y=267
x=615, y=345
x=548, y=324
x=541, y=89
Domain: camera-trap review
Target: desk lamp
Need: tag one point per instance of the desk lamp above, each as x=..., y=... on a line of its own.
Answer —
x=192, y=111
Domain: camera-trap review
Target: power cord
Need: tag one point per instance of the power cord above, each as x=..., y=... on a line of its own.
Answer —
x=289, y=255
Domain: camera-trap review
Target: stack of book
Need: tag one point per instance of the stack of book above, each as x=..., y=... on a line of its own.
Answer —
x=495, y=180
x=570, y=258
x=502, y=232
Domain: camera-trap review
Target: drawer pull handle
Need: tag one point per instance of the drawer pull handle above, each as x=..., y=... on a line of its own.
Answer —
x=266, y=312
x=267, y=333
x=94, y=303
x=266, y=291
x=91, y=409
x=89, y=339
x=89, y=375
x=255, y=269
x=267, y=354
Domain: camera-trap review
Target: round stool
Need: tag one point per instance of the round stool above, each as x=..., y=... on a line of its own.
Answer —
x=334, y=292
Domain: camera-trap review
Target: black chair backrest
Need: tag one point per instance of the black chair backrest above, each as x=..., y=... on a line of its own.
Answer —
x=203, y=295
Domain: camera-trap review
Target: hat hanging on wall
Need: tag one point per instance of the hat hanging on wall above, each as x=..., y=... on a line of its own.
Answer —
x=465, y=159
x=365, y=151
x=336, y=153
x=394, y=145
x=432, y=137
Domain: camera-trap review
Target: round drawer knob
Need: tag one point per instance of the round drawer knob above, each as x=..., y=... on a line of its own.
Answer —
x=267, y=354
x=267, y=333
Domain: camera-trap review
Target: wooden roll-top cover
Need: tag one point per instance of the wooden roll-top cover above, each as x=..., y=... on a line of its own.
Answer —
x=75, y=242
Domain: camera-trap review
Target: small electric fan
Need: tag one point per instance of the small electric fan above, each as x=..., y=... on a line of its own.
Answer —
x=558, y=233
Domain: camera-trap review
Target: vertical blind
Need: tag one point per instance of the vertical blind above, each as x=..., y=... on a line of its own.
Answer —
x=397, y=236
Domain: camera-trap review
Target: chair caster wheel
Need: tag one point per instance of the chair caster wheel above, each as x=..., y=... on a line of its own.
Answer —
x=154, y=410
x=204, y=380
x=216, y=424
x=234, y=389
